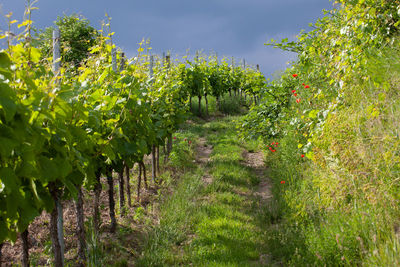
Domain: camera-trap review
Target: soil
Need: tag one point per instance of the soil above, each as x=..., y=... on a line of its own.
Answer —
x=203, y=152
x=255, y=160
x=39, y=234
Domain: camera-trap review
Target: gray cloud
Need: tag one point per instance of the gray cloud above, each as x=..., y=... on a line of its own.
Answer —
x=236, y=28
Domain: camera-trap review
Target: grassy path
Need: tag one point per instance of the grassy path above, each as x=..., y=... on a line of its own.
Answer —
x=216, y=215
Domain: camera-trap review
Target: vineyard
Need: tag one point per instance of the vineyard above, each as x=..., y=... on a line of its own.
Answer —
x=65, y=126
x=163, y=161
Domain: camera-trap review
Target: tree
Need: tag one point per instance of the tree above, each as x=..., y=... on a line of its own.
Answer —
x=77, y=37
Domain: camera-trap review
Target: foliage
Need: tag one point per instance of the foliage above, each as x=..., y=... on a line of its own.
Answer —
x=338, y=147
x=58, y=131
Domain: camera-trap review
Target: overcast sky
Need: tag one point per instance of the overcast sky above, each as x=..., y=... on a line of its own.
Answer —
x=237, y=28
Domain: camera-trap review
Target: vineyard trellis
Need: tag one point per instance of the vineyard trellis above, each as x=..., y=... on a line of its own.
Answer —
x=61, y=130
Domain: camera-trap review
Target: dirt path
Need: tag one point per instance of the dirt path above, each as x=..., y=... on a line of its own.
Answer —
x=255, y=160
x=203, y=152
x=219, y=207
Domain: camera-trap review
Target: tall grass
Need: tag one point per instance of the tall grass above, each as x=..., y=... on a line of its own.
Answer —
x=342, y=207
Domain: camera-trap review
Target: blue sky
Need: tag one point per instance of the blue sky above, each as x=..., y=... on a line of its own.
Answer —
x=237, y=28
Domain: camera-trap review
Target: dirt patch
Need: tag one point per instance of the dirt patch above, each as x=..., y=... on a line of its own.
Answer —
x=255, y=160
x=39, y=234
x=203, y=152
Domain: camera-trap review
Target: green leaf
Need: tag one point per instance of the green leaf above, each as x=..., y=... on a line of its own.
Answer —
x=5, y=61
x=108, y=152
x=76, y=177
x=27, y=212
x=6, y=103
x=8, y=107
x=71, y=188
x=7, y=145
x=49, y=170
x=64, y=167
x=13, y=200
x=9, y=179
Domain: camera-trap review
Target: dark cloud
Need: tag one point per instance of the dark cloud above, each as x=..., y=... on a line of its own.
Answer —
x=236, y=28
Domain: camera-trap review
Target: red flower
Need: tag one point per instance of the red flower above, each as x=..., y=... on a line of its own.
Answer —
x=298, y=100
x=282, y=182
x=190, y=142
x=294, y=75
x=273, y=150
x=185, y=139
x=303, y=84
x=293, y=91
x=306, y=86
x=302, y=155
x=277, y=143
x=174, y=137
x=270, y=148
x=295, y=94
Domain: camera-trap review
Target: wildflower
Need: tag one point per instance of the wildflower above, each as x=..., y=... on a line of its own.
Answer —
x=190, y=142
x=302, y=155
x=293, y=91
x=303, y=84
x=282, y=182
x=298, y=100
x=295, y=94
x=174, y=137
x=274, y=150
x=185, y=139
x=306, y=86
x=294, y=75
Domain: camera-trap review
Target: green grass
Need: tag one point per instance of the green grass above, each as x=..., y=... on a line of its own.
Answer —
x=216, y=224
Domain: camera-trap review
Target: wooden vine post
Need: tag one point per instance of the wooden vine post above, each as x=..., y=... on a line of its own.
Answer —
x=25, y=249
x=122, y=63
x=169, y=143
x=1, y=247
x=111, y=201
x=205, y=95
x=153, y=147
x=198, y=92
x=109, y=170
x=114, y=59
x=122, y=166
x=244, y=69
x=80, y=230
x=96, y=204
x=121, y=191
x=128, y=184
x=56, y=221
x=233, y=74
x=255, y=97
